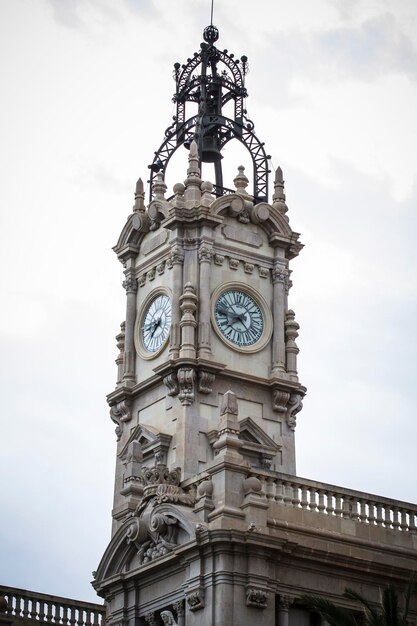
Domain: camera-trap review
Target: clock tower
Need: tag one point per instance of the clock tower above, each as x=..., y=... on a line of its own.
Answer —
x=207, y=390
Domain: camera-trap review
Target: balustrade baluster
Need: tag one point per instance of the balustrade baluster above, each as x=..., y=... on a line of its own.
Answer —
x=18, y=607
x=295, y=498
x=65, y=619
x=395, y=520
x=403, y=525
x=312, y=505
x=304, y=497
x=35, y=612
x=72, y=615
x=329, y=507
x=287, y=493
x=96, y=620
x=80, y=620
x=363, y=514
x=321, y=506
x=354, y=513
x=371, y=512
x=387, y=519
x=25, y=612
x=338, y=505
x=346, y=507
x=379, y=516
x=279, y=491
x=88, y=618
x=41, y=611
x=412, y=522
x=270, y=489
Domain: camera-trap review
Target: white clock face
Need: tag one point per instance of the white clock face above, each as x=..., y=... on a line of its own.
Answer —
x=156, y=323
x=238, y=317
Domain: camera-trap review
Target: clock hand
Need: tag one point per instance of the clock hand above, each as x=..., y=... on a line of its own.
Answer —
x=155, y=325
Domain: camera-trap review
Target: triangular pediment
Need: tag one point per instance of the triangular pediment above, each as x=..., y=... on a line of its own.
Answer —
x=255, y=438
x=150, y=440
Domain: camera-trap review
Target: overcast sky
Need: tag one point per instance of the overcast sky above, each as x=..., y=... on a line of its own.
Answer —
x=86, y=89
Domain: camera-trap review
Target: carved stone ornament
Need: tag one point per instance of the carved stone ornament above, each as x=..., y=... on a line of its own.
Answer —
x=179, y=608
x=233, y=264
x=244, y=217
x=186, y=384
x=263, y=271
x=248, y=268
x=130, y=284
x=205, y=254
x=160, y=268
x=142, y=280
x=205, y=382
x=121, y=412
x=150, y=618
x=218, y=259
x=177, y=255
x=154, y=533
x=279, y=274
x=151, y=274
x=280, y=400
x=195, y=600
x=256, y=597
x=171, y=382
x=284, y=602
x=295, y=405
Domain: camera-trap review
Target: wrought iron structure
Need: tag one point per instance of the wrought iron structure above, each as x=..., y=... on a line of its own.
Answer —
x=212, y=78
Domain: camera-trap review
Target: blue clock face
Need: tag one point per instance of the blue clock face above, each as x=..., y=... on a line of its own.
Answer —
x=156, y=323
x=239, y=317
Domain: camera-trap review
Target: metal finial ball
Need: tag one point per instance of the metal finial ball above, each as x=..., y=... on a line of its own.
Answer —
x=211, y=34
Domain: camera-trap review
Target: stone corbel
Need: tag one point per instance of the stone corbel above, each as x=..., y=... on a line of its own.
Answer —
x=195, y=599
x=205, y=382
x=120, y=413
x=171, y=382
x=186, y=384
x=280, y=400
x=295, y=405
x=256, y=597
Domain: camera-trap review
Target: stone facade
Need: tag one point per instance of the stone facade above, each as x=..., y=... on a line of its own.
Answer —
x=211, y=525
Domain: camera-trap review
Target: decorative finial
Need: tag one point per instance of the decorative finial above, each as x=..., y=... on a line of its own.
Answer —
x=278, y=199
x=211, y=34
x=139, y=197
x=159, y=187
x=193, y=171
x=241, y=181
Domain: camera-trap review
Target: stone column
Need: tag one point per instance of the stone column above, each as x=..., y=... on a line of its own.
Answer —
x=177, y=260
x=188, y=324
x=284, y=603
x=205, y=254
x=291, y=331
x=279, y=275
x=131, y=286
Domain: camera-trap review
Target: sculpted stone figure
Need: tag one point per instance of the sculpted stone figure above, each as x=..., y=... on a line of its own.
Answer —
x=168, y=618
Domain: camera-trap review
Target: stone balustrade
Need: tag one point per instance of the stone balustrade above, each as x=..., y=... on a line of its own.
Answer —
x=330, y=500
x=46, y=609
x=326, y=499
